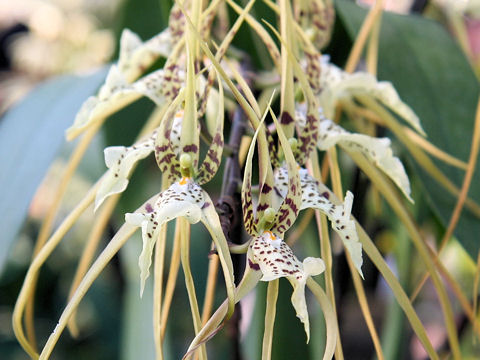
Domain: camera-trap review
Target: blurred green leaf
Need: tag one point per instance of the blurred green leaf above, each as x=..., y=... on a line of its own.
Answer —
x=31, y=133
x=433, y=76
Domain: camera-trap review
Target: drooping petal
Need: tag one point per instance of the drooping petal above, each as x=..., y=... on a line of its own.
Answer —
x=184, y=198
x=337, y=83
x=115, y=94
x=316, y=195
x=274, y=258
x=136, y=56
x=120, y=160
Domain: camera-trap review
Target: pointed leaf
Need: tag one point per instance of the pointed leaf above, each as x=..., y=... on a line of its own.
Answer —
x=31, y=134
x=443, y=91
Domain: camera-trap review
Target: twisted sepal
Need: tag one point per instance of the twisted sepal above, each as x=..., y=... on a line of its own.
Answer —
x=183, y=198
x=136, y=56
x=211, y=163
x=274, y=258
x=120, y=160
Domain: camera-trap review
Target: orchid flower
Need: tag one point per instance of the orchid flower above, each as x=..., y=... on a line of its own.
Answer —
x=184, y=197
x=267, y=252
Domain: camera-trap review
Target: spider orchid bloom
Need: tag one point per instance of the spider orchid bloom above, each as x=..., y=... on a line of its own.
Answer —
x=377, y=150
x=267, y=252
x=184, y=197
x=337, y=84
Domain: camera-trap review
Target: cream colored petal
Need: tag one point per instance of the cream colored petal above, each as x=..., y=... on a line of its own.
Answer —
x=337, y=84
x=377, y=150
x=274, y=258
x=136, y=56
x=311, y=267
x=120, y=160
x=115, y=94
x=314, y=195
x=178, y=200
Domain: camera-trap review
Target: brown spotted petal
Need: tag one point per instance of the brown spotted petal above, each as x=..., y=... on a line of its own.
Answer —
x=178, y=200
x=308, y=132
x=136, y=56
x=274, y=258
x=316, y=18
x=176, y=21
x=377, y=150
x=338, y=84
x=315, y=195
x=167, y=142
x=212, y=160
x=115, y=94
x=120, y=160
x=290, y=206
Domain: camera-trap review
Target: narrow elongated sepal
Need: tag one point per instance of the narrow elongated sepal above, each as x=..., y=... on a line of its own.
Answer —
x=247, y=200
x=179, y=199
x=211, y=163
x=120, y=160
x=337, y=84
x=274, y=258
x=288, y=211
x=167, y=142
x=212, y=222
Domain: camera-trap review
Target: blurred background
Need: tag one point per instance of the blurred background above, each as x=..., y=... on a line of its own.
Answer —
x=45, y=41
